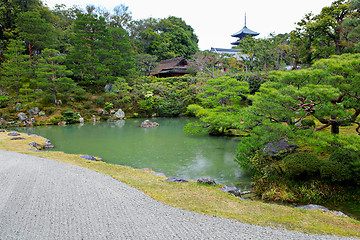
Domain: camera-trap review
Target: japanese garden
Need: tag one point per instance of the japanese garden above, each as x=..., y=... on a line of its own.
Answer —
x=289, y=102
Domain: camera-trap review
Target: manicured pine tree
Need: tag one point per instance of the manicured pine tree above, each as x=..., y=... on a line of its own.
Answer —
x=15, y=68
x=52, y=74
x=87, y=50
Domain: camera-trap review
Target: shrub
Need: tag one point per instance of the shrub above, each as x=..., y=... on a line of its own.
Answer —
x=79, y=94
x=302, y=165
x=56, y=119
x=342, y=166
x=100, y=101
x=4, y=101
x=49, y=110
x=69, y=116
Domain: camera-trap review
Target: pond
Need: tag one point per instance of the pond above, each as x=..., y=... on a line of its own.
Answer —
x=165, y=149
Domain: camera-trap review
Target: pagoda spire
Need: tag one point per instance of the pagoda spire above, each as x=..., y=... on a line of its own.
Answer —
x=244, y=32
x=245, y=19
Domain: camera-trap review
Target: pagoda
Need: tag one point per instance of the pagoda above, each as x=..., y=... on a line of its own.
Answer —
x=244, y=32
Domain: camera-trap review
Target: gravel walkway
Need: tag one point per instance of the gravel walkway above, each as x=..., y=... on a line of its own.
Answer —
x=45, y=199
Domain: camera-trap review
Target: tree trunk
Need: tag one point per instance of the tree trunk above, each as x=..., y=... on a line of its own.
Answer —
x=335, y=128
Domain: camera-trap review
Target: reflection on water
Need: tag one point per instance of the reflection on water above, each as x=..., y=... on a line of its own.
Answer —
x=164, y=149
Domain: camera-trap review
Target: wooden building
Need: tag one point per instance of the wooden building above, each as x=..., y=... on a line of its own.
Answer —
x=173, y=67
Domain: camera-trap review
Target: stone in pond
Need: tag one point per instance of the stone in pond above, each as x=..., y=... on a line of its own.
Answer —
x=148, y=124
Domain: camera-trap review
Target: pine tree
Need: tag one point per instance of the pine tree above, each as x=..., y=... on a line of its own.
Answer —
x=52, y=74
x=16, y=66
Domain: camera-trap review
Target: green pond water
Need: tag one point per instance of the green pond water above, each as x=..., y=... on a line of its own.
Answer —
x=165, y=149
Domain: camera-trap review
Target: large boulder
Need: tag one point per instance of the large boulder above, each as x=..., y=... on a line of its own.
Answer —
x=119, y=114
x=18, y=107
x=148, y=124
x=109, y=88
x=280, y=147
x=33, y=111
x=22, y=116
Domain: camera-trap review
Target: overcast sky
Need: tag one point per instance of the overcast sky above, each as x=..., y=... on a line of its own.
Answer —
x=215, y=21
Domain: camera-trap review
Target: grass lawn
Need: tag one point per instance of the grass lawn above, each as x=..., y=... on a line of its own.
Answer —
x=208, y=200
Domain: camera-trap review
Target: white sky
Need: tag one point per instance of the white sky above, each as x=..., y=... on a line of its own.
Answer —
x=215, y=21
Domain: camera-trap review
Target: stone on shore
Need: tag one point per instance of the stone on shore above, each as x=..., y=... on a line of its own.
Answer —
x=13, y=134
x=92, y=158
x=17, y=138
x=209, y=181
x=176, y=179
x=119, y=114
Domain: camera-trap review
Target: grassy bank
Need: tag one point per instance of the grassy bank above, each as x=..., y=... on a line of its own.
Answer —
x=199, y=198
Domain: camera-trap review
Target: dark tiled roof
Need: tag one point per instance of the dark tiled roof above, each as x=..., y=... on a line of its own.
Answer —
x=244, y=32
x=178, y=64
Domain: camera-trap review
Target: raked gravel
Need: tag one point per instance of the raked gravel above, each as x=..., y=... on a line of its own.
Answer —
x=46, y=199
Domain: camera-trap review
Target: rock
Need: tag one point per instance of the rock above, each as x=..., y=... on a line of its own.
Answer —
x=176, y=179
x=2, y=130
x=22, y=116
x=339, y=213
x=314, y=207
x=92, y=158
x=33, y=111
x=120, y=114
x=232, y=190
x=41, y=113
x=112, y=112
x=48, y=144
x=278, y=147
x=36, y=145
x=18, y=107
x=14, y=134
x=104, y=113
x=17, y=138
x=109, y=87
x=148, y=124
x=209, y=181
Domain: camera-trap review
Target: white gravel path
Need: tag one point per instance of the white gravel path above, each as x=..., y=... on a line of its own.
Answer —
x=45, y=199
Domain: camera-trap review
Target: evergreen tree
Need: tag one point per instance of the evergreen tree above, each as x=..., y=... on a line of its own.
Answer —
x=52, y=74
x=36, y=32
x=15, y=68
x=88, y=43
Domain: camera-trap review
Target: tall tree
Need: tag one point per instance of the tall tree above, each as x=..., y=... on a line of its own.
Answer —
x=165, y=38
x=90, y=35
x=319, y=36
x=52, y=74
x=15, y=68
x=36, y=32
